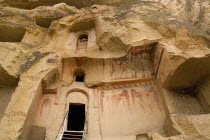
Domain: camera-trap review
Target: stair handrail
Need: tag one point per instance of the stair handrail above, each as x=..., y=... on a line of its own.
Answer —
x=84, y=131
x=61, y=129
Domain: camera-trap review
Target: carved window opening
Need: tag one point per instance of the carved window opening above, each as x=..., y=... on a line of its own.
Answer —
x=79, y=76
x=82, y=41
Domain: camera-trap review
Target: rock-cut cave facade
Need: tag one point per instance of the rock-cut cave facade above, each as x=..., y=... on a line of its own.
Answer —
x=105, y=70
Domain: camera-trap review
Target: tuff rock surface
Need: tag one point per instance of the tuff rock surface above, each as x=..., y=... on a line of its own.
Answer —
x=34, y=44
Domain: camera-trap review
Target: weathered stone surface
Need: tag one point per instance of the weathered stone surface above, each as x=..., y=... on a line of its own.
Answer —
x=146, y=68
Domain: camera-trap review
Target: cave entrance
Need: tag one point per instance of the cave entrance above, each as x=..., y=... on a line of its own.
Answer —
x=76, y=117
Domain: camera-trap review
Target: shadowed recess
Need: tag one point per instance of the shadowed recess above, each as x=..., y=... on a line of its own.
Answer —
x=76, y=117
x=44, y=22
x=28, y=4
x=11, y=34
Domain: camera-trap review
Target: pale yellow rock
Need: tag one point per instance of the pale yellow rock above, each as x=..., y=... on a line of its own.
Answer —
x=140, y=68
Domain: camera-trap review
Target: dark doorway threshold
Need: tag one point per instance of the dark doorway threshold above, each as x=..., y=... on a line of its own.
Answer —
x=76, y=117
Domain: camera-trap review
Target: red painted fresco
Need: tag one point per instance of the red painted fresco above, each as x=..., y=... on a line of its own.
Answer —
x=112, y=71
x=144, y=98
x=137, y=98
x=80, y=61
x=122, y=98
x=136, y=64
x=103, y=63
x=101, y=101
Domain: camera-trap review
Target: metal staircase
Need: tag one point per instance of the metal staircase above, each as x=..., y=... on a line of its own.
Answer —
x=71, y=135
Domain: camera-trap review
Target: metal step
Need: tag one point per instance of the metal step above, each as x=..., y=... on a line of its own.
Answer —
x=70, y=138
x=72, y=135
x=74, y=132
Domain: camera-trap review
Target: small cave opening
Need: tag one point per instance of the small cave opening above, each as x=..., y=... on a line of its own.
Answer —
x=79, y=76
x=44, y=22
x=76, y=117
x=82, y=41
x=11, y=34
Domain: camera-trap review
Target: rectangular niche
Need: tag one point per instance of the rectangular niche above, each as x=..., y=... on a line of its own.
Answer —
x=82, y=40
x=44, y=22
x=11, y=33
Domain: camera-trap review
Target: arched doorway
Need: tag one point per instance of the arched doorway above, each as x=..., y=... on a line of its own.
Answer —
x=76, y=117
x=77, y=108
x=79, y=75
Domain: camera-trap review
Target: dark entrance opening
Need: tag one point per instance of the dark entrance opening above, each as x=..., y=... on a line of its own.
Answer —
x=76, y=117
x=79, y=76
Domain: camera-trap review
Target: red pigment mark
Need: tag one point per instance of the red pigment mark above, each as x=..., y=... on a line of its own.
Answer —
x=101, y=101
x=151, y=89
x=121, y=97
x=114, y=98
x=112, y=68
x=124, y=68
x=103, y=63
x=80, y=61
x=44, y=107
x=63, y=64
x=124, y=94
x=133, y=95
x=72, y=68
x=137, y=95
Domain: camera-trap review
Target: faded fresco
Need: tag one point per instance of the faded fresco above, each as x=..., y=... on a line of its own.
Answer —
x=131, y=109
x=44, y=109
x=94, y=68
x=136, y=64
x=143, y=97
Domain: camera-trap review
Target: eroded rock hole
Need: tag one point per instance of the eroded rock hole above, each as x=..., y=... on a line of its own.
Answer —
x=44, y=22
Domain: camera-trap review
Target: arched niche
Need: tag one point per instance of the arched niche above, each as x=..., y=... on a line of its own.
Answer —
x=82, y=41
x=79, y=75
x=77, y=96
x=45, y=109
x=77, y=110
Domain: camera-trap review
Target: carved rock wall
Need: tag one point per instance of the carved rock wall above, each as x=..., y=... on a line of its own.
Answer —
x=146, y=67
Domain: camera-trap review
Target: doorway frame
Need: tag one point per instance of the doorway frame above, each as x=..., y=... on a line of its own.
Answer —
x=67, y=105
